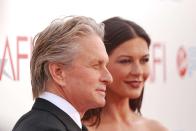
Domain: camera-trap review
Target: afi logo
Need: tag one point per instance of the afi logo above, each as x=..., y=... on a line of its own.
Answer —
x=182, y=62
x=5, y=73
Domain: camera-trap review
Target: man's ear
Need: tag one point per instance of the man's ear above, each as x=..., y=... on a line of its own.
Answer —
x=57, y=73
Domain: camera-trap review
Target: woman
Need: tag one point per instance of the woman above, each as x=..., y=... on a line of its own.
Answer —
x=127, y=45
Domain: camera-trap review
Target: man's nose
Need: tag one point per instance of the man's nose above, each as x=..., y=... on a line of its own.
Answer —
x=107, y=77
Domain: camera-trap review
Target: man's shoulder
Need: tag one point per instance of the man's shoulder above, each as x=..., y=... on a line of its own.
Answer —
x=36, y=119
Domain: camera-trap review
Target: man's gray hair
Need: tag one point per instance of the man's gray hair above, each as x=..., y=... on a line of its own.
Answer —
x=58, y=43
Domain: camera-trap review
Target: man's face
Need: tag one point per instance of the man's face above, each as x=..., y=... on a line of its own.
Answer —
x=88, y=76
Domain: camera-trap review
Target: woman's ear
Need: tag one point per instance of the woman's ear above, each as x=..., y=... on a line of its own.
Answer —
x=57, y=72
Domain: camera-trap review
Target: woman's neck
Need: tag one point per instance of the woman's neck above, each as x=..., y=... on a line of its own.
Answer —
x=117, y=110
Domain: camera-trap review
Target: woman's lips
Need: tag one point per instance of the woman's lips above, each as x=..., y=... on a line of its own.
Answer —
x=134, y=84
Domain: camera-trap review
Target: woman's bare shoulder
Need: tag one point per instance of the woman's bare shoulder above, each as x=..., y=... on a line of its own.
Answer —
x=154, y=125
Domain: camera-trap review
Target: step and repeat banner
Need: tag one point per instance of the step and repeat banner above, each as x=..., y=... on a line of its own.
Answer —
x=170, y=93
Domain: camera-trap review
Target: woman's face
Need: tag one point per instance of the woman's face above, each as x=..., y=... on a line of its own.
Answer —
x=129, y=67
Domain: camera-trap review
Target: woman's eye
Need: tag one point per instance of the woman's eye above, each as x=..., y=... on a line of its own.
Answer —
x=145, y=60
x=125, y=61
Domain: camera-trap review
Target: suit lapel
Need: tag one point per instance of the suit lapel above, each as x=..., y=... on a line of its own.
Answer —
x=42, y=104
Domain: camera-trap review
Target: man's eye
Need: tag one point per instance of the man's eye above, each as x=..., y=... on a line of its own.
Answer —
x=96, y=66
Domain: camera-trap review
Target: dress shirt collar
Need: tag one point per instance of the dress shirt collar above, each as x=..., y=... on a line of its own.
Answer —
x=63, y=105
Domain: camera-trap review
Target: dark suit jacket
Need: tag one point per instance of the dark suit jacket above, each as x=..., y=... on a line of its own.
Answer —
x=45, y=116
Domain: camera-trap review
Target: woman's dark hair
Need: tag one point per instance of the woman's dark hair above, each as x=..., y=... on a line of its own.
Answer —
x=117, y=31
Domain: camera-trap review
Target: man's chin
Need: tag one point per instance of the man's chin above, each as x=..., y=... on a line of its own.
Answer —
x=100, y=103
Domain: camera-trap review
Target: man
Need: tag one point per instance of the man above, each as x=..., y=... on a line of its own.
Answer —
x=68, y=75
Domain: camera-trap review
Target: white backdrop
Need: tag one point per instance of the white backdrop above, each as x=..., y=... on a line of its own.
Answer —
x=170, y=92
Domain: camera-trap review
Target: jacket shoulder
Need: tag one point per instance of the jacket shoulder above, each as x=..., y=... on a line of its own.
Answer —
x=38, y=120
